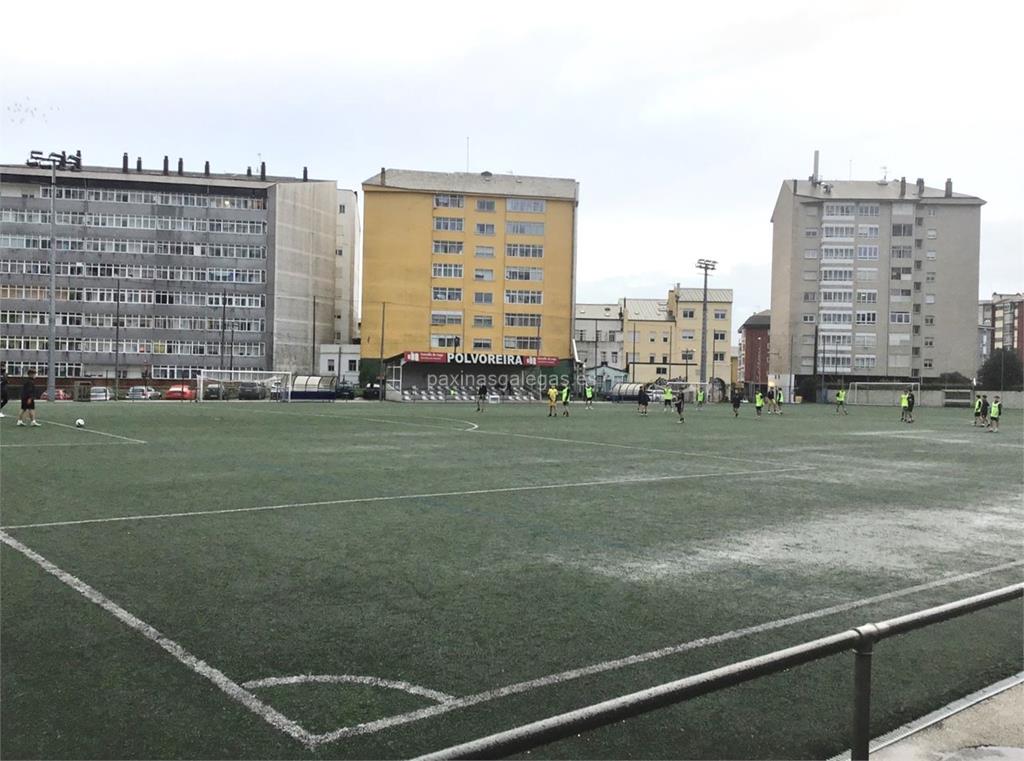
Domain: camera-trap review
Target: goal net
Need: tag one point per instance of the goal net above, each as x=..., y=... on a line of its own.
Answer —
x=879, y=394
x=247, y=385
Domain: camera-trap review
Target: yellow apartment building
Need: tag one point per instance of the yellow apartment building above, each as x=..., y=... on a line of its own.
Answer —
x=469, y=264
x=662, y=337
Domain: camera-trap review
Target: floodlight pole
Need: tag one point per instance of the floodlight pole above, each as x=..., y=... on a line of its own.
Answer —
x=706, y=265
x=51, y=372
x=117, y=338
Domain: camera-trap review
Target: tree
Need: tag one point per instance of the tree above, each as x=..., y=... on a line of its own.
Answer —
x=1002, y=371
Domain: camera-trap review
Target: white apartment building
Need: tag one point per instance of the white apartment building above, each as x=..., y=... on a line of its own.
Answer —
x=873, y=280
x=597, y=335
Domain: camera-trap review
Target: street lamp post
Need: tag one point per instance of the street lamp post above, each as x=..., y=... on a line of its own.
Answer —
x=707, y=265
x=55, y=161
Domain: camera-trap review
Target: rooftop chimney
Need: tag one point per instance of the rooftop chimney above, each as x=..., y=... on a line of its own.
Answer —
x=920, y=187
x=206, y=168
x=383, y=176
x=814, y=177
x=124, y=163
x=166, y=165
x=305, y=174
x=138, y=164
x=263, y=170
x=903, y=187
x=248, y=171
x=949, y=187
x=181, y=166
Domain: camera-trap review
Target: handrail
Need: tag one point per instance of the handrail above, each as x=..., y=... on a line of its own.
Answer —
x=862, y=639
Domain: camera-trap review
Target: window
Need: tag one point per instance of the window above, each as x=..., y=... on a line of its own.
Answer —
x=836, y=275
x=901, y=252
x=339, y=252
x=931, y=211
x=918, y=243
x=522, y=320
x=900, y=273
x=445, y=318
x=453, y=224
x=867, y=210
x=650, y=358
x=837, y=252
x=918, y=221
x=899, y=294
x=864, y=361
x=838, y=231
x=929, y=341
x=446, y=270
x=719, y=314
x=522, y=342
x=811, y=232
x=810, y=253
x=483, y=228
x=524, y=250
x=899, y=318
x=664, y=358
x=447, y=294
x=810, y=274
x=482, y=343
x=839, y=210
x=928, y=363
x=930, y=255
x=917, y=264
x=834, y=296
x=867, y=318
x=687, y=314
x=523, y=297
x=528, y=205
x=867, y=252
x=929, y=319
x=811, y=211
x=929, y=298
x=932, y=233
x=810, y=296
x=447, y=246
x=483, y=297
x=865, y=340
x=719, y=356
x=615, y=357
x=341, y=208
x=836, y=318
x=929, y=277
x=902, y=231
x=353, y=365
x=448, y=202
x=524, y=228
x=687, y=355
x=917, y=286
x=688, y=335
x=719, y=335
x=661, y=370
x=807, y=318
x=482, y=321
x=482, y=274
x=445, y=341
x=867, y=231
x=524, y=273
x=867, y=297
x=485, y=204
x=484, y=252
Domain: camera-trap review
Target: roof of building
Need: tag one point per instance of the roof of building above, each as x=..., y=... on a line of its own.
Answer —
x=482, y=183
x=998, y=298
x=697, y=294
x=761, y=319
x=874, y=190
x=597, y=311
x=644, y=309
x=154, y=174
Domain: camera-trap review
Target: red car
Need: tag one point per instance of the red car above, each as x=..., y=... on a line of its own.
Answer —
x=183, y=392
x=60, y=394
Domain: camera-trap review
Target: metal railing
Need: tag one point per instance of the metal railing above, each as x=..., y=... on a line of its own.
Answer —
x=861, y=640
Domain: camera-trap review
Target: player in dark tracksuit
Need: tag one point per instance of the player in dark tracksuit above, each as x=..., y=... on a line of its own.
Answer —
x=28, y=400
x=3, y=390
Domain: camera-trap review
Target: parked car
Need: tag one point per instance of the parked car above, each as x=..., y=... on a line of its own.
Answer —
x=101, y=394
x=181, y=391
x=137, y=393
x=344, y=391
x=59, y=395
x=371, y=391
x=251, y=390
x=215, y=391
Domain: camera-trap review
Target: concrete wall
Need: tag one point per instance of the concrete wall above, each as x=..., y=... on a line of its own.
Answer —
x=302, y=238
x=346, y=287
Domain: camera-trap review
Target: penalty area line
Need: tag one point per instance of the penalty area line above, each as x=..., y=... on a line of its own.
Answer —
x=98, y=433
x=613, y=665
x=229, y=687
x=425, y=495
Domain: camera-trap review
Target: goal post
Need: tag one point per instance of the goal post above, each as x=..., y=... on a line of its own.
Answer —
x=251, y=385
x=879, y=393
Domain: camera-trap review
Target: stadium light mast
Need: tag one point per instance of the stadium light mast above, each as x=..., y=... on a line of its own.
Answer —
x=707, y=265
x=55, y=161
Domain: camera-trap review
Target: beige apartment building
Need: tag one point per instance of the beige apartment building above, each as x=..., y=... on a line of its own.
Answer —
x=873, y=280
x=662, y=337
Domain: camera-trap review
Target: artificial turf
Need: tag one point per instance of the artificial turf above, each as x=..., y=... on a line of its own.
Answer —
x=465, y=559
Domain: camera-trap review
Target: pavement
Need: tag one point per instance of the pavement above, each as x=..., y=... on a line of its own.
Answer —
x=985, y=726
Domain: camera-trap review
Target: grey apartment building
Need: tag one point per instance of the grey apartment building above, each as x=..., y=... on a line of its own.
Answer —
x=883, y=273
x=185, y=270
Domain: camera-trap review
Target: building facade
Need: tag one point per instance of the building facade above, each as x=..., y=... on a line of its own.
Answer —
x=754, y=351
x=1005, y=319
x=346, y=267
x=597, y=332
x=475, y=265
x=662, y=337
x=164, y=273
x=873, y=280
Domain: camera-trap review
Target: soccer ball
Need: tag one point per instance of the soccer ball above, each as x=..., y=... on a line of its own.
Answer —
x=79, y=423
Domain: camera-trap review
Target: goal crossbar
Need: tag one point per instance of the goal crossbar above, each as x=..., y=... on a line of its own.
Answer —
x=880, y=393
x=255, y=385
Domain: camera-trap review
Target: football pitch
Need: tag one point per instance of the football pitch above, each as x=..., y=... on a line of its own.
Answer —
x=367, y=580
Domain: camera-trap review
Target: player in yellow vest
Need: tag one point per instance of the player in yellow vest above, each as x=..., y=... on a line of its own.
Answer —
x=841, y=401
x=904, y=405
x=994, y=411
x=666, y=397
x=700, y=397
x=758, y=403
x=977, y=410
x=552, y=400
x=588, y=392
x=565, y=400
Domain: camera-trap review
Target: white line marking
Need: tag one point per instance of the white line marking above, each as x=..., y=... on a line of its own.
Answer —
x=617, y=446
x=226, y=685
x=98, y=433
x=373, y=681
x=69, y=444
x=398, y=497
x=598, y=668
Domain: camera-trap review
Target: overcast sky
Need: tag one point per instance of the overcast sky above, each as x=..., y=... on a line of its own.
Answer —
x=679, y=123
